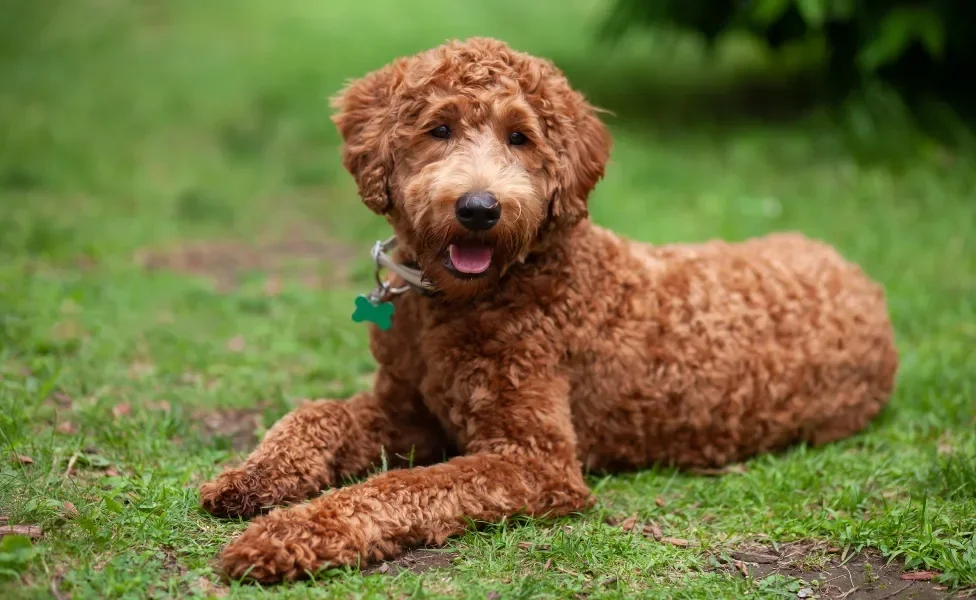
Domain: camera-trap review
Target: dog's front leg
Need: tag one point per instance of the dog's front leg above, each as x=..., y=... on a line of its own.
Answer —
x=320, y=442
x=521, y=460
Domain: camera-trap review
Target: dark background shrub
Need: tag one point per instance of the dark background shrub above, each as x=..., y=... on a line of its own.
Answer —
x=924, y=50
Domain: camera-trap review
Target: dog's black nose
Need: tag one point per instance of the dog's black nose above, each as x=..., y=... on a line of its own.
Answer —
x=478, y=211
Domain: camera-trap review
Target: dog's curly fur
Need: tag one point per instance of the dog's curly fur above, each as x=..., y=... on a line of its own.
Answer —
x=577, y=350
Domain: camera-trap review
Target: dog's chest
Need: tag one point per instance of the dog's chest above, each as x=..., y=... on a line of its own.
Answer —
x=453, y=384
x=439, y=397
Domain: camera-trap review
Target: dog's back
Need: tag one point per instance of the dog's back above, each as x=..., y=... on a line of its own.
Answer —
x=704, y=354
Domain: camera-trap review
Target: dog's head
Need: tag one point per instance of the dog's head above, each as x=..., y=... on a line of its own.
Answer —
x=475, y=153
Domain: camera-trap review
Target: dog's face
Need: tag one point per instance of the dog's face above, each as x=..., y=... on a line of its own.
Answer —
x=475, y=153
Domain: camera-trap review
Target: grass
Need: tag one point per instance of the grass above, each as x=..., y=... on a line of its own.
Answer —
x=131, y=129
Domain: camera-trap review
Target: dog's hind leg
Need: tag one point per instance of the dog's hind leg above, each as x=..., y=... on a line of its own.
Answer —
x=323, y=441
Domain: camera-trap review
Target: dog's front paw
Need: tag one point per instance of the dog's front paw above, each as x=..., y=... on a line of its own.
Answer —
x=291, y=544
x=237, y=493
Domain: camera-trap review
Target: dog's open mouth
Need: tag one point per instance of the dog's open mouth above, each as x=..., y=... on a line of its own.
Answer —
x=469, y=258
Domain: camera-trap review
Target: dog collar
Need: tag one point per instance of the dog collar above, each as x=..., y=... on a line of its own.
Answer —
x=414, y=278
x=375, y=307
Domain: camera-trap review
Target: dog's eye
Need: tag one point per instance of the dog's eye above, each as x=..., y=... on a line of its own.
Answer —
x=517, y=138
x=441, y=132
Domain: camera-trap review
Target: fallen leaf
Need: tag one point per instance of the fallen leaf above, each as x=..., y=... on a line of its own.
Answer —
x=493, y=596
x=920, y=575
x=63, y=400
x=383, y=568
x=653, y=531
x=610, y=581
x=611, y=521
x=741, y=566
x=111, y=472
x=524, y=545
x=70, y=511
x=629, y=523
x=122, y=409
x=679, y=542
x=804, y=593
x=31, y=531
x=24, y=459
x=548, y=564
x=66, y=427
x=71, y=464
x=236, y=343
x=660, y=501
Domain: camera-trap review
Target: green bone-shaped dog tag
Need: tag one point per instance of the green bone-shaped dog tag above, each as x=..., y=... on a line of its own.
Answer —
x=381, y=313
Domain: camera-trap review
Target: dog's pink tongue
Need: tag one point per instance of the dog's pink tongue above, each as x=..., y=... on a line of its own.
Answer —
x=470, y=258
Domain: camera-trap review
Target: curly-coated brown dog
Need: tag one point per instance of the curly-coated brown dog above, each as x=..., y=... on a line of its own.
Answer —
x=548, y=346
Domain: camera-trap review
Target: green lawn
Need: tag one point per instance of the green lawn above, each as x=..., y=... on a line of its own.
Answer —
x=180, y=250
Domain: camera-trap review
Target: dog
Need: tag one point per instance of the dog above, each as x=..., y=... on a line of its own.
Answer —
x=539, y=346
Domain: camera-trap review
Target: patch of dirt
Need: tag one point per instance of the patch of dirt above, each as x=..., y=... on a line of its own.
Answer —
x=315, y=262
x=240, y=425
x=418, y=561
x=863, y=576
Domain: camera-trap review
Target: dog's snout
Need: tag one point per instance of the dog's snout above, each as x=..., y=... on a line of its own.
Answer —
x=478, y=211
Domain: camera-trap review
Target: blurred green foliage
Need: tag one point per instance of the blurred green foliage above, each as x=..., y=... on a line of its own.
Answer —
x=920, y=48
x=15, y=553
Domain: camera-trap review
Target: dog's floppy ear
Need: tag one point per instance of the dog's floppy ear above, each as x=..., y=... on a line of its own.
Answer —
x=363, y=117
x=583, y=156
